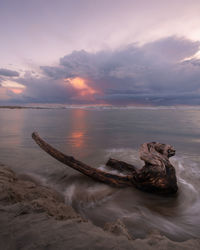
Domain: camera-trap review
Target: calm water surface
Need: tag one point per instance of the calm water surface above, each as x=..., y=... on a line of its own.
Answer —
x=94, y=135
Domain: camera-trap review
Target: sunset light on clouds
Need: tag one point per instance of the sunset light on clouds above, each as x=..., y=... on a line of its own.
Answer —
x=114, y=52
x=16, y=91
x=80, y=85
x=12, y=86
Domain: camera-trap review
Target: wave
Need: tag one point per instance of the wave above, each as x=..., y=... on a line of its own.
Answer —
x=83, y=196
x=110, y=107
x=177, y=217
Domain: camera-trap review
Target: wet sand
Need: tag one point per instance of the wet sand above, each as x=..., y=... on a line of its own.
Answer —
x=33, y=216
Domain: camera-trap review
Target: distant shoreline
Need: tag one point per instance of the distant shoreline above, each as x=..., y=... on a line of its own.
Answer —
x=22, y=107
x=101, y=107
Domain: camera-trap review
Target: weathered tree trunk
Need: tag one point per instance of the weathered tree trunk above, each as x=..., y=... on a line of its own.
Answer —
x=157, y=176
x=114, y=180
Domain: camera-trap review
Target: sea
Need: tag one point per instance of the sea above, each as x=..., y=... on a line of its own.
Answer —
x=93, y=134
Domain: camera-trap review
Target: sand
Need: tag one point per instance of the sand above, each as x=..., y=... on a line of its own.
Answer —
x=33, y=216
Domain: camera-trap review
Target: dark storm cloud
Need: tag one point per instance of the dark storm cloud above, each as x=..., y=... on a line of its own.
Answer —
x=54, y=72
x=8, y=72
x=155, y=73
x=43, y=91
x=46, y=90
x=128, y=62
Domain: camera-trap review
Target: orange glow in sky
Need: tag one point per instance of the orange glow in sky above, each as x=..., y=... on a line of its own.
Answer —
x=15, y=87
x=80, y=84
x=16, y=91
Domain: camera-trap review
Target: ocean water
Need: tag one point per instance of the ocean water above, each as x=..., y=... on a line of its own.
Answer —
x=92, y=135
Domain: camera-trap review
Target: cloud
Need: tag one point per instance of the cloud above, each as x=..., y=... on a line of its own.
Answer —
x=8, y=72
x=125, y=62
x=172, y=48
x=155, y=73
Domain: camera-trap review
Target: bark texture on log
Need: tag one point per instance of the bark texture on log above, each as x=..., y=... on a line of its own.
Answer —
x=114, y=180
x=157, y=176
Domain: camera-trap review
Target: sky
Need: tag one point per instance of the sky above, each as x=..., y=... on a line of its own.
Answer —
x=112, y=52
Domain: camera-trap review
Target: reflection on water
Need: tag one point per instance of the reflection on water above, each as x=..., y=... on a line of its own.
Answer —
x=95, y=135
x=78, y=138
x=79, y=126
x=11, y=128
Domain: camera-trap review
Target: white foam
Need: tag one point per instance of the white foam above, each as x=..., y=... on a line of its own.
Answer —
x=189, y=185
x=69, y=194
x=112, y=107
x=109, y=170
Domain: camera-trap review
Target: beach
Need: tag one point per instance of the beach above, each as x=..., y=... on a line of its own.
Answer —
x=113, y=218
x=33, y=216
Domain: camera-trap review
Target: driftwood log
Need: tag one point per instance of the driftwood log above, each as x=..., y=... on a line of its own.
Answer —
x=157, y=176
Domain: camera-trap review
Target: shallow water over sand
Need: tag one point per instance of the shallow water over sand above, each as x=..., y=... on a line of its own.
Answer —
x=94, y=135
